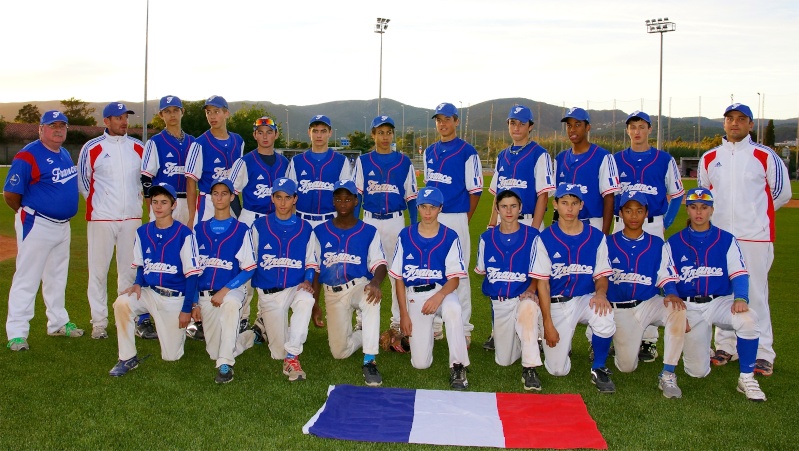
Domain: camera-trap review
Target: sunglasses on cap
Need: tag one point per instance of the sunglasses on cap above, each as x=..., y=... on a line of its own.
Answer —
x=705, y=196
x=265, y=121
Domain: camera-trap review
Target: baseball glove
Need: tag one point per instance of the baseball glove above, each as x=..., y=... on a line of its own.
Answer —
x=392, y=340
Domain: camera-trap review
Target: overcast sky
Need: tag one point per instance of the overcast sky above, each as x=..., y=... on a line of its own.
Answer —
x=304, y=52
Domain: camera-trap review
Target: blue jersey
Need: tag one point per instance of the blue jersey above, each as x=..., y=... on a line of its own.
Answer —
x=387, y=182
x=640, y=267
x=285, y=251
x=504, y=258
x=594, y=171
x=167, y=256
x=211, y=159
x=344, y=255
x=253, y=179
x=653, y=173
x=164, y=159
x=422, y=261
x=571, y=263
x=315, y=179
x=527, y=171
x=706, y=261
x=223, y=255
x=454, y=168
x=47, y=181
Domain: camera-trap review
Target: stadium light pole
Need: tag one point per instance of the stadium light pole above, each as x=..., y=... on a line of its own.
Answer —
x=146, y=49
x=660, y=26
x=380, y=28
x=364, y=126
x=288, y=130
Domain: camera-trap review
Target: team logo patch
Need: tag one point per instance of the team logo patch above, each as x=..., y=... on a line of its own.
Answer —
x=492, y=260
x=328, y=245
x=14, y=179
x=684, y=259
x=562, y=175
x=50, y=160
x=557, y=255
x=430, y=161
x=371, y=172
x=106, y=156
x=303, y=172
x=217, y=160
x=616, y=260
x=261, y=177
x=623, y=174
x=148, y=251
x=202, y=246
x=502, y=168
x=409, y=257
x=169, y=155
x=268, y=246
x=718, y=164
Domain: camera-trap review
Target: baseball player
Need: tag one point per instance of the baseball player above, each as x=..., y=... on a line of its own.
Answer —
x=315, y=171
x=351, y=268
x=427, y=268
x=654, y=173
x=166, y=264
x=109, y=178
x=43, y=206
x=387, y=181
x=642, y=264
x=284, y=278
x=503, y=256
x=453, y=166
x=227, y=259
x=749, y=183
x=570, y=261
x=714, y=282
x=589, y=166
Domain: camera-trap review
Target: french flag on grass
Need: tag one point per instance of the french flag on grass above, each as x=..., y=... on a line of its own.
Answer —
x=500, y=420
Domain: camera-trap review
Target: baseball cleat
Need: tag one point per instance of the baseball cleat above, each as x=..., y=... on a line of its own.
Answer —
x=489, y=344
x=18, y=344
x=530, y=379
x=123, y=366
x=99, y=333
x=667, y=382
x=747, y=384
x=438, y=334
x=763, y=367
x=146, y=330
x=457, y=377
x=648, y=352
x=225, y=374
x=292, y=369
x=260, y=331
x=601, y=378
x=371, y=376
x=721, y=358
x=68, y=330
x=244, y=324
x=195, y=331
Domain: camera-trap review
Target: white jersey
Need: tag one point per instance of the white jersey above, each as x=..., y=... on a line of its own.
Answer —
x=109, y=178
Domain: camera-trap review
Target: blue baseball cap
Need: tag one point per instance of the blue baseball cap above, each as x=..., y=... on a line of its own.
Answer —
x=382, y=120
x=285, y=185
x=700, y=195
x=430, y=195
x=740, y=107
x=116, y=109
x=320, y=118
x=348, y=185
x=569, y=189
x=168, y=101
x=227, y=182
x=521, y=113
x=640, y=115
x=163, y=188
x=577, y=113
x=445, y=109
x=633, y=195
x=217, y=101
x=53, y=116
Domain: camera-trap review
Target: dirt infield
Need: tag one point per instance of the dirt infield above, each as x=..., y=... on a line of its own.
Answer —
x=8, y=247
x=793, y=203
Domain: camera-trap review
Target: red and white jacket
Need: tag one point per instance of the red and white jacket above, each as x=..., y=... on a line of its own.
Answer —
x=749, y=183
x=109, y=177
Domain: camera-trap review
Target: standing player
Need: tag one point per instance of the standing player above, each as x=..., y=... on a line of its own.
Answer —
x=427, y=267
x=351, y=267
x=284, y=278
x=453, y=166
x=714, y=282
x=315, y=171
x=570, y=261
x=387, y=181
x=590, y=167
x=165, y=261
x=750, y=183
x=503, y=256
x=642, y=264
x=109, y=177
x=43, y=206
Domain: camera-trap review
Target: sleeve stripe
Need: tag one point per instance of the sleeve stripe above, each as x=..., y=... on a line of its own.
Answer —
x=739, y=273
x=538, y=276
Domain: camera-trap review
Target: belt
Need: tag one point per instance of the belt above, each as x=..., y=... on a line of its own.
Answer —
x=309, y=217
x=208, y=293
x=386, y=215
x=168, y=292
x=342, y=287
x=521, y=217
x=181, y=195
x=37, y=214
x=627, y=304
x=560, y=299
x=273, y=290
x=423, y=288
x=649, y=219
x=503, y=298
x=700, y=299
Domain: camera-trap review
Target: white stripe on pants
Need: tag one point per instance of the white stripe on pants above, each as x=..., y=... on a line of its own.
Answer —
x=221, y=327
x=165, y=312
x=389, y=230
x=459, y=222
x=630, y=326
x=103, y=237
x=340, y=306
x=516, y=332
x=421, y=339
x=285, y=337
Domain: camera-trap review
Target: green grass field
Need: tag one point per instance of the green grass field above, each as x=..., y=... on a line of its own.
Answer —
x=58, y=395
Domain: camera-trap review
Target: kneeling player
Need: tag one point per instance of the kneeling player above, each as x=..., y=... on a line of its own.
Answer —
x=639, y=259
x=427, y=266
x=228, y=262
x=165, y=258
x=715, y=285
x=570, y=261
x=503, y=255
x=351, y=267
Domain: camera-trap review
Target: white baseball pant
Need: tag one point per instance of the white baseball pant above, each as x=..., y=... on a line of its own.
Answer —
x=421, y=338
x=103, y=237
x=389, y=230
x=631, y=324
x=165, y=312
x=516, y=332
x=179, y=214
x=248, y=217
x=340, y=306
x=459, y=222
x=285, y=336
x=221, y=327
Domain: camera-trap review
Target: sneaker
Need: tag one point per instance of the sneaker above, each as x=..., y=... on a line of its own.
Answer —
x=648, y=352
x=530, y=379
x=99, y=333
x=146, y=330
x=601, y=378
x=667, y=382
x=243, y=325
x=747, y=384
x=18, y=344
x=260, y=331
x=225, y=374
x=721, y=358
x=438, y=334
x=292, y=369
x=489, y=344
x=68, y=330
x=457, y=377
x=763, y=367
x=371, y=375
x=123, y=366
